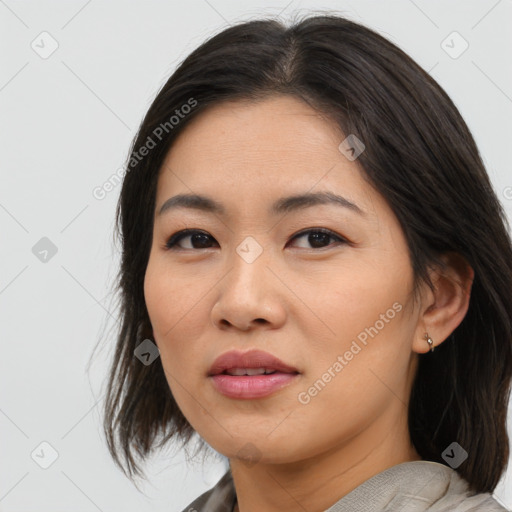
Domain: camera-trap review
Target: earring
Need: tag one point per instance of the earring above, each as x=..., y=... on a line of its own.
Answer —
x=430, y=341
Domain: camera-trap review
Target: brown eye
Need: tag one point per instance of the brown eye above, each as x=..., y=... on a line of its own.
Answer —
x=198, y=239
x=319, y=238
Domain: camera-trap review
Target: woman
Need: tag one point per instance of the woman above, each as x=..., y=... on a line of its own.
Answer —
x=312, y=243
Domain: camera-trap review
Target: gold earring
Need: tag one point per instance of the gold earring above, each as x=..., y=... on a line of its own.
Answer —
x=430, y=341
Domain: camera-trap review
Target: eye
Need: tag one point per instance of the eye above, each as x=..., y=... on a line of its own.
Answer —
x=317, y=238
x=196, y=237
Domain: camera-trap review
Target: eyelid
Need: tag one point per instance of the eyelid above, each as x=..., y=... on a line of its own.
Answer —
x=179, y=235
x=326, y=231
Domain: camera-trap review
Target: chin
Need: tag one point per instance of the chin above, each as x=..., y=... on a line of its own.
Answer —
x=257, y=449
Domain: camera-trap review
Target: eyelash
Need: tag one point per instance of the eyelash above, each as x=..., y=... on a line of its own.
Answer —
x=180, y=235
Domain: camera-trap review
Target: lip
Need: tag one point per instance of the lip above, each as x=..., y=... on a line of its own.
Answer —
x=250, y=386
x=249, y=359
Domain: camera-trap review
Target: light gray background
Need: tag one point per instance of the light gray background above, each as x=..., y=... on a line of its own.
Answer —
x=66, y=125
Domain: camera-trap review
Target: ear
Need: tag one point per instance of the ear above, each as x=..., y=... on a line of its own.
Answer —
x=444, y=309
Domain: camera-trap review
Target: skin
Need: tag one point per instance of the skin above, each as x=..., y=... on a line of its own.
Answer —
x=303, y=303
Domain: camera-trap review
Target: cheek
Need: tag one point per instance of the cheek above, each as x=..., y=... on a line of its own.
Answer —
x=168, y=298
x=365, y=320
x=344, y=302
x=351, y=382
x=174, y=307
x=157, y=300
x=166, y=306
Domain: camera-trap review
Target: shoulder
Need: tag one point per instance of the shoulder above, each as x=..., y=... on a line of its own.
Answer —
x=459, y=498
x=445, y=490
x=483, y=502
x=220, y=498
x=419, y=486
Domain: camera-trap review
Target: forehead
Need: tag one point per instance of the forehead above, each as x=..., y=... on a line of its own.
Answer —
x=244, y=152
x=240, y=130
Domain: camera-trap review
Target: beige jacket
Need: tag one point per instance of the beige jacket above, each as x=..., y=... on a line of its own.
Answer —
x=408, y=487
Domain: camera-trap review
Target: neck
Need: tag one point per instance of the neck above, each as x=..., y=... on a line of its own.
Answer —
x=320, y=481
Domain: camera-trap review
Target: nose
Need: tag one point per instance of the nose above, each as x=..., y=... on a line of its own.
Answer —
x=249, y=296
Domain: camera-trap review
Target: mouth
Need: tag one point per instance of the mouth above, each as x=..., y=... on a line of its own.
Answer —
x=252, y=362
x=250, y=375
x=249, y=371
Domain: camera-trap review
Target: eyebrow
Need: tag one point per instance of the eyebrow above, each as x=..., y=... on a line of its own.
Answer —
x=283, y=205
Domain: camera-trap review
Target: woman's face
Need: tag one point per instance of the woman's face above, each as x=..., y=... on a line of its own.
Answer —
x=335, y=306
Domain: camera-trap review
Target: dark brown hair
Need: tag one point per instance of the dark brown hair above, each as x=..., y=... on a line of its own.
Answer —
x=420, y=155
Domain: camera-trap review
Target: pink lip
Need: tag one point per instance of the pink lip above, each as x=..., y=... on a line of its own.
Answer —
x=250, y=386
